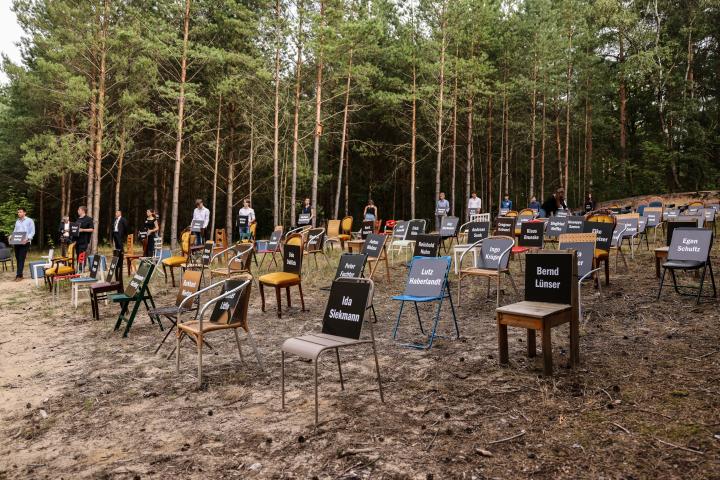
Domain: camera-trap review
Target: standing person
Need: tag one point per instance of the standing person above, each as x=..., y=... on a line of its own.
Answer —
x=474, y=202
x=85, y=230
x=534, y=204
x=370, y=212
x=119, y=231
x=590, y=203
x=201, y=213
x=441, y=205
x=561, y=199
x=151, y=227
x=307, y=208
x=550, y=207
x=64, y=231
x=246, y=211
x=23, y=224
x=506, y=202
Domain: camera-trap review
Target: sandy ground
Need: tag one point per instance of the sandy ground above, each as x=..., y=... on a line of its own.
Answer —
x=79, y=401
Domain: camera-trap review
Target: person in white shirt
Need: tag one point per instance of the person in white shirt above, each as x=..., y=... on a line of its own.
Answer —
x=246, y=211
x=24, y=225
x=474, y=202
x=203, y=214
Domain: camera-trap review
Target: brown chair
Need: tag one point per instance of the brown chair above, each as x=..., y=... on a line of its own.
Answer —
x=333, y=234
x=289, y=277
x=602, y=255
x=179, y=260
x=229, y=312
x=239, y=263
x=221, y=240
x=315, y=245
x=547, y=304
x=130, y=255
x=185, y=301
x=61, y=266
x=493, y=262
x=113, y=283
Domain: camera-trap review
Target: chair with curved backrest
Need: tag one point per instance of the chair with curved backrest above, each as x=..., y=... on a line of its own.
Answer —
x=130, y=255
x=511, y=213
x=346, y=228
x=180, y=258
x=61, y=266
x=315, y=245
x=269, y=247
x=290, y=276
x=525, y=215
x=239, y=263
x=656, y=202
x=602, y=255
x=113, y=283
x=389, y=226
x=492, y=262
x=220, y=239
x=470, y=233
x=333, y=234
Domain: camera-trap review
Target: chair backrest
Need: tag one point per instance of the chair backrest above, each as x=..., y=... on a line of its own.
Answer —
x=575, y=224
x=368, y=227
x=532, y=234
x=671, y=226
x=449, y=226
x=207, y=253
x=671, y=214
x=427, y=277
x=71, y=253
x=115, y=267
x=374, y=244
x=427, y=245
x=603, y=234
x=274, y=243
x=231, y=305
x=655, y=202
x=5, y=253
x=400, y=230
x=631, y=222
x=95, y=265
x=139, y=281
x=158, y=251
x=690, y=244
x=525, y=215
x=131, y=244
x=189, y=284
x=477, y=231
x=709, y=213
x=389, y=226
x=505, y=226
x=346, y=224
x=351, y=265
x=414, y=228
x=584, y=246
x=333, y=228
x=511, y=213
x=495, y=252
x=653, y=216
x=294, y=239
x=346, y=307
x=292, y=259
x=242, y=260
x=551, y=277
x=221, y=238
x=316, y=240
x=185, y=242
x=696, y=204
x=641, y=209
x=600, y=217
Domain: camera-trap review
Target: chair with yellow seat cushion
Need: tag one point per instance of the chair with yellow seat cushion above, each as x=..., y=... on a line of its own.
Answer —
x=179, y=260
x=603, y=225
x=345, y=229
x=525, y=215
x=289, y=277
x=61, y=266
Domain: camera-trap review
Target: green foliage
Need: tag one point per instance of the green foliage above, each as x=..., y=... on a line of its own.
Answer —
x=8, y=210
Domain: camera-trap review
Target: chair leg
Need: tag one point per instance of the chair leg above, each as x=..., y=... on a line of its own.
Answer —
x=497, y=302
x=278, y=297
x=547, y=350
x=662, y=282
x=289, y=302
x=459, y=282
x=377, y=369
x=262, y=296
x=199, y=362
x=316, y=391
x=417, y=313
x=702, y=281
x=302, y=298
x=237, y=342
x=337, y=355
x=251, y=339
x=531, y=348
x=282, y=379
x=607, y=270
x=397, y=322
x=574, y=342
x=452, y=309
x=503, y=343
x=177, y=351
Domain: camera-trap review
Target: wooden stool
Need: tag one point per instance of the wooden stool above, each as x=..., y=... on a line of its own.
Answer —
x=660, y=256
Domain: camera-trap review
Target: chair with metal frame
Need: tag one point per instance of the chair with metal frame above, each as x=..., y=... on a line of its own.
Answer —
x=94, y=274
x=269, y=247
x=524, y=215
x=493, y=262
x=315, y=245
x=470, y=232
x=407, y=242
x=186, y=300
x=689, y=251
x=239, y=263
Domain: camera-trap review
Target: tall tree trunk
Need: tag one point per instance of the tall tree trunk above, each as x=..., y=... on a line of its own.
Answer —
x=100, y=126
x=68, y=192
x=276, y=121
x=532, y=129
x=120, y=162
x=347, y=179
x=567, y=115
x=623, y=103
x=343, y=137
x=296, y=116
x=489, y=156
x=318, y=116
x=559, y=145
x=469, y=152
x=506, y=137
x=413, y=140
x=453, y=167
x=91, y=159
x=180, y=123
x=438, y=163
x=230, y=184
x=63, y=193
x=542, y=150
x=215, y=168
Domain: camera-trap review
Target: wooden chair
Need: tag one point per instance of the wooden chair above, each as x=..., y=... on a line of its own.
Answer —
x=135, y=293
x=346, y=229
x=337, y=332
x=493, y=263
x=229, y=312
x=239, y=263
x=180, y=259
x=61, y=266
x=185, y=301
x=113, y=283
x=130, y=255
x=604, y=241
x=315, y=245
x=333, y=234
x=289, y=277
x=220, y=239
x=551, y=299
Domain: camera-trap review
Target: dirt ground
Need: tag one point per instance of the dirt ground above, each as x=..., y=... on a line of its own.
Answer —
x=79, y=401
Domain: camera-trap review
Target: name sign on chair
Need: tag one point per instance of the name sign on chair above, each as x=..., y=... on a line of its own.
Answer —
x=585, y=252
x=368, y=227
x=709, y=214
x=351, y=265
x=292, y=259
x=426, y=277
x=196, y=226
x=137, y=280
x=399, y=230
x=549, y=277
x=631, y=225
x=225, y=307
x=415, y=228
x=690, y=244
x=556, y=226
x=373, y=245
x=574, y=224
x=426, y=246
x=505, y=226
x=562, y=213
x=304, y=219
x=17, y=238
x=603, y=232
x=448, y=227
x=477, y=231
x=207, y=253
x=346, y=309
x=531, y=235
x=671, y=214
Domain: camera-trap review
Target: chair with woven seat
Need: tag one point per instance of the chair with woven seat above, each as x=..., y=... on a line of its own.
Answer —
x=584, y=246
x=113, y=283
x=470, y=233
x=185, y=301
x=239, y=263
x=315, y=245
x=689, y=251
x=180, y=258
x=493, y=262
x=290, y=276
x=229, y=312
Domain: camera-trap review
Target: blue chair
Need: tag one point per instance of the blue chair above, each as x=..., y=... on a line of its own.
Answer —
x=427, y=282
x=641, y=209
x=658, y=204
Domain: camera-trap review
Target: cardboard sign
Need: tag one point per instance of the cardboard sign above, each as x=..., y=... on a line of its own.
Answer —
x=196, y=226
x=562, y=213
x=304, y=219
x=292, y=259
x=426, y=246
x=373, y=245
x=671, y=226
x=415, y=228
x=345, y=309
x=505, y=226
x=17, y=238
x=243, y=221
x=400, y=230
x=351, y=265
x=477, y=231
x=555, y=226
x=494, y=252
x=427, y=277
x=690, y=244
x=585, y=252
x=448, y=227
x=575, y=224
x=531, y=235
x=368, y=227
x=549, y=277
x=137, y=281
x=225, y=308
x=603, y=232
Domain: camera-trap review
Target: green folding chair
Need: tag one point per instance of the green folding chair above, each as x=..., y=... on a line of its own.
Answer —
x=136, y=292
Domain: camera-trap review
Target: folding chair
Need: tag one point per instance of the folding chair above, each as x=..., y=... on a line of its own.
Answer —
x=551, y=299
x=342, y=328
x=93, y=273
x=473, y=232
x=136, y=292
x=493, y=263
x=653, y=220
x=185, y=301
x=399, y=233
x=376, y=252
x=448, y=229
x=689, y=251
x=289, y=277
x=427, y=283
x=617, y=241
x=269, y=247
x=230, y=312
x=661, y=253
x=180, y=258
x=112, y=284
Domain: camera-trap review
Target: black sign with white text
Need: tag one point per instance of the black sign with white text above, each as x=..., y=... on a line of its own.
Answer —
x=415, y=228
x=196, y=226
x=574, y=224
x=17, y=238
x=448, y=227
x=603, y=232
x=477, y=231
x=304, y=219
x=555, y=227
x=368, y=227
x=292, y=259
x=585, y=253
x=562, y=213
x=426, y=246
x=243, y=221
x=346, y=309
x=427, y=277
x=548, y=277
x=531, y=235
x=400, y=230
x=351, y=265
x=373, y=245
x=224, y=308
x=138, y=280
x=505, y=226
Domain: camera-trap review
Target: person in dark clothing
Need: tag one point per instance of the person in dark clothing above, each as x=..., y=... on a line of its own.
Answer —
x=86, y=227
x=550, y=206
x=561, y=199
x=65, y=235
x=151, y=227
x=590, y=203
x=119, y=230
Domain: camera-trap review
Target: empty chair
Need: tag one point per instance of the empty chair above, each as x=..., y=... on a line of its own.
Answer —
x=689, y=251
x=185, y=301
x=491, y=263
x=290, y=276
x=112, y=284
x=470, y=233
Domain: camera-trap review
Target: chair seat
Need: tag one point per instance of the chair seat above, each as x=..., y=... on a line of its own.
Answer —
x=280, y=279
x=600, y=254
x=311, y=345
x=171, y=310
x=192, y=327
x=483, y=272
x=176, y=261
x=104, y=286
x=226, y=272
x=120, y=297
x=662, y=250
x=519, y=249
x=344, y=237
x=70, y=277
x=60, y=270
x=83, y=280
x=688, y=264
x=410, y=298
x=533, y=309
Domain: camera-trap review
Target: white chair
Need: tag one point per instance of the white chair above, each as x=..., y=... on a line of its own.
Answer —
x=407, y=242
x=37, y=267
x=471, y=232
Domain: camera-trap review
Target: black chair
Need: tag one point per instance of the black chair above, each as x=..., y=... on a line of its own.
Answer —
x=689, y=251
x=6, y=256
